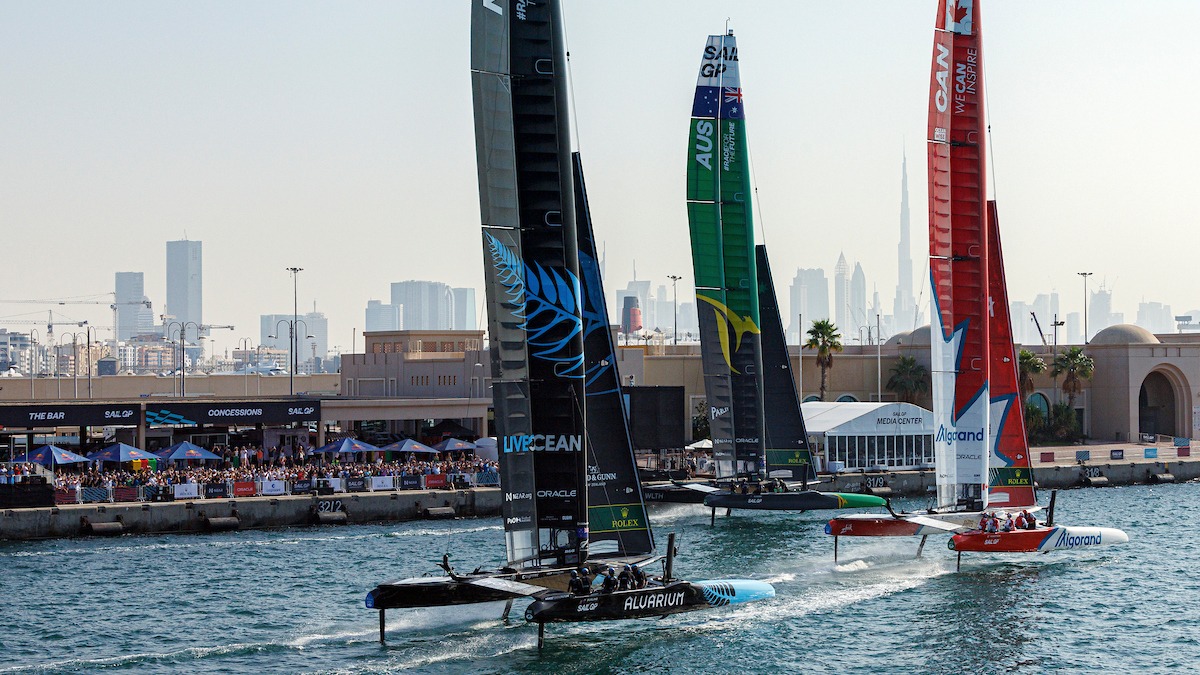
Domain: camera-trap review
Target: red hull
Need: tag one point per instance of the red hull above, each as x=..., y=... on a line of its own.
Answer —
x=883, y=526
x=1017, y=541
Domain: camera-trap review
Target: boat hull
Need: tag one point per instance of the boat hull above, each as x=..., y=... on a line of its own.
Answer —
x=654, y=601
x=669, y=493
x=805, y=500
x=442, y=591
x=1039, y=540
x=903, y=525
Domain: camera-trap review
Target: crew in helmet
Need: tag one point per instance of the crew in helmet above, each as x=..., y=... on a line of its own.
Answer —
x=575, y=585
x=585, y=578
x=639, y=576
x=610, y=581
x=625, y=579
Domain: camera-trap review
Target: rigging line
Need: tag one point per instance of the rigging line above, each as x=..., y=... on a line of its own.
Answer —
x=991, y=146
x=570, y=83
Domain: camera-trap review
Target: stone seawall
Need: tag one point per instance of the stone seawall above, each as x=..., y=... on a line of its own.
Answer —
x=199, y=515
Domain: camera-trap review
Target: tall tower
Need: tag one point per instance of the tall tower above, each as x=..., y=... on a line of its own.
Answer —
x=184, y=284
x=841, y=294
x=904, y=308
x=858, y=299
x=130, y=290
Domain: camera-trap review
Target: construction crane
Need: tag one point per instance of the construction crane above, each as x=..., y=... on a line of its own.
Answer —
x=112, y=304
x=1039, y=327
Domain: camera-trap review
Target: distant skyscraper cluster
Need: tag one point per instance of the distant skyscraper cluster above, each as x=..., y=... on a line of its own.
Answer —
x=423, y=305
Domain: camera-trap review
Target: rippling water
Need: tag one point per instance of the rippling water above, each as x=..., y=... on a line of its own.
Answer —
x=291, y=601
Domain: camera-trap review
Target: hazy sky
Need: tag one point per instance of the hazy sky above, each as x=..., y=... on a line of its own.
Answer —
x=337, y=137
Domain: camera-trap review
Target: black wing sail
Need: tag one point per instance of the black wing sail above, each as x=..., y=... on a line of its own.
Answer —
x=786, y=438
x=532, y=281
x=616, y=511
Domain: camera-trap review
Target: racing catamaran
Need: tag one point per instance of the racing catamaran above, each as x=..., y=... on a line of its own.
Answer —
x=550, y=348
x=981, y=451
x=754, y=412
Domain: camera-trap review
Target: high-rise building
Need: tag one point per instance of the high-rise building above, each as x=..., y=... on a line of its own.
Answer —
x=904, y=307
x=464, y=317
x=313, y=345
x=424, y=305
x=809, y=294
x=858, y=299
x=1155, y=317
x=130, y=294
x=841, y=294
x=273, y=331
x=184, y=285
x=382, y=316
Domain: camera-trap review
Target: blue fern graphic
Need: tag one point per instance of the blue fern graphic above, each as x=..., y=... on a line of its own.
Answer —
x=718, y=595
x=547, y=301
x=594, y=319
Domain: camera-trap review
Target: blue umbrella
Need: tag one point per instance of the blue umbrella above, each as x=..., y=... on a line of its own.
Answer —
x=409, y=445
x=120, y=452
x=185, y=450
x=49, y=455
x=451, y=444
x=344, y=447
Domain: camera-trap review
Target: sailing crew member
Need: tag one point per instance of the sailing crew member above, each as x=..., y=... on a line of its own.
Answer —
x=639, y=576
x=983, y=521
x=585, y=578
x=1030, y=521
x=1008, y=523
x=993, y=524
x=610, y=581
x=575, y=585
x=625, y=579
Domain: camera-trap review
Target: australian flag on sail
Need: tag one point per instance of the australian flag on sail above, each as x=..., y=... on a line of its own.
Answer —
x=711, y=99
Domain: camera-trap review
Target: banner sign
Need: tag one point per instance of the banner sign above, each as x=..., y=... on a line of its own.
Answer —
x=356, y=484
x=1116, y=453
x=273, y=487
x=1083, y=455
x=187, y=491
x=302, y=487
x=125, y=494
x=382, y=483
x=410, y=482
x=235, y=412
x=1150, y=453
x=216, y=490
x=435, y=480
x=336, y=484
x=244, y=488
x=69, y=415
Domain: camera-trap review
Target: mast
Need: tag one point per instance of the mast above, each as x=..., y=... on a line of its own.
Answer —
x=616, y=512
x=958, y=256
x=785, y=437
x=1010, y=474
x=526, y=197
x=722, y=236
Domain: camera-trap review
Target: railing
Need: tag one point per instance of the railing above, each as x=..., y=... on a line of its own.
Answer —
x=270, y=488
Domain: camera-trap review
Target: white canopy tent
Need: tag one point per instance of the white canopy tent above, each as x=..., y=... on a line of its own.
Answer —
x=870, y=435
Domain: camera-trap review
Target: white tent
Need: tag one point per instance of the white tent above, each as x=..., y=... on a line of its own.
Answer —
x=871, y=435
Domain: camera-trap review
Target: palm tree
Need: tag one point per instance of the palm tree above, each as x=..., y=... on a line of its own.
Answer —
x=1077, y=367
x=1028, y=365
x=909, y=379
x=825, y=338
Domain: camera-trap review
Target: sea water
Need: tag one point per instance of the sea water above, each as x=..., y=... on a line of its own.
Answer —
x=291, y=600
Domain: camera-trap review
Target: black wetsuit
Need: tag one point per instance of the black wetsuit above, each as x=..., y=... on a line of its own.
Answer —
x=576, y=587
x=609, y=585
x=624, y=580
x=639, y=578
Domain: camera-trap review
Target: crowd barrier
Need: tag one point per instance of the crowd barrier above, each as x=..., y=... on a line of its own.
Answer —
x=234, y=489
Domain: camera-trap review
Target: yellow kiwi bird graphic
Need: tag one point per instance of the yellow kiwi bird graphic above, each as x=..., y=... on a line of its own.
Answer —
x=726, y=319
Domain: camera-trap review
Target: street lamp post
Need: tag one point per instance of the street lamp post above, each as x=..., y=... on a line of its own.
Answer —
x=1055, y=324
x=293, y=347
x=244, y=345
x=675, y=303
x=1085, y=276
x=89, y=359
x=34, y=338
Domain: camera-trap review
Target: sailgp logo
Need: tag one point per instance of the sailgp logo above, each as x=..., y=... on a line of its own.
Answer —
x=949, y=436
x=543, y=443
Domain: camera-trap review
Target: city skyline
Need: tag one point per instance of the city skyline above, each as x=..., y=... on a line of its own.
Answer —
x=300, y=146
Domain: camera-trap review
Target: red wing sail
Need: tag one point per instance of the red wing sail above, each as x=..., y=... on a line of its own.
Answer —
x=1010, y=478
x=958, y=256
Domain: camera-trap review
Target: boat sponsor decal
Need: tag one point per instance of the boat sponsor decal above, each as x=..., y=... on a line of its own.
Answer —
x=617, y=518
x=1010, y=477
x=543, y=443
x=560, y=494
x=547, y=302
x=655, y=601
x=729, y=145
x=597, y=478
x=1067, y=540
x=518, y=520
x=517, y=496
x=960, y=16
x=948, y=436
x=727, y=321
x=966, y=77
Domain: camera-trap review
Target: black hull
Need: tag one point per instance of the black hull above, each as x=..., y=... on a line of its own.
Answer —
x=674, y=598
x=442, y=591
x=807, y=500
x=671, y=494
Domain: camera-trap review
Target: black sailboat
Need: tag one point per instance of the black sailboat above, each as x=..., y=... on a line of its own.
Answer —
x=552, y=358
